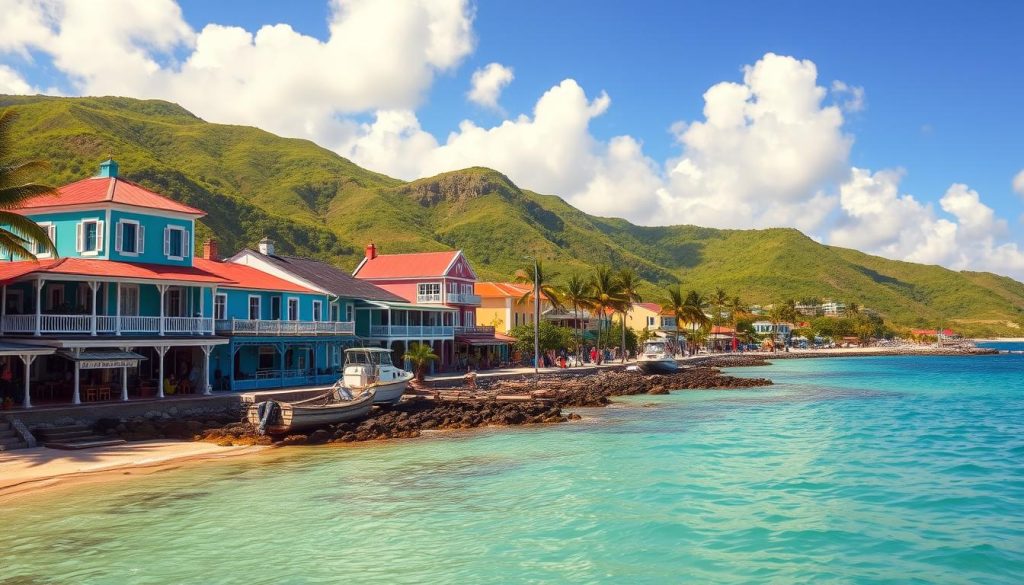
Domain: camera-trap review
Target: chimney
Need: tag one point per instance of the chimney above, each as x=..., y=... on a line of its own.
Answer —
x=267, y=247
x=371, y=251
x=108, y=168
x=210, y=250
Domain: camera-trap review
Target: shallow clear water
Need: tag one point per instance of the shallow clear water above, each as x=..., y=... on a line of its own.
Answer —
x=857, y=470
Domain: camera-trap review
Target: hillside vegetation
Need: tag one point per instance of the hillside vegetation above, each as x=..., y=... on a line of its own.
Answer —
x=316, y=203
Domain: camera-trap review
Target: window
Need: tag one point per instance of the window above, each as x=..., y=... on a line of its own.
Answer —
x=89, y=240
x=220, y=306
x=275, y=308
x=255, y=309
x=517, y=319
x=468, y=319
x=129, y=238
x=173, y=307
x=349, y=309
x=175, y=243
x=129, y=300
x=318, y=307
x=293, y=309
x=83, y=298
x=15, y=302
x=650, y=321
x=335, y=312
x=429, y=292
x=56, y=297
x=51, y=232
x=267, y=355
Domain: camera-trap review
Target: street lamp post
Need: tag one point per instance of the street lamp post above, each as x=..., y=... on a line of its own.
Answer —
x=536, y=320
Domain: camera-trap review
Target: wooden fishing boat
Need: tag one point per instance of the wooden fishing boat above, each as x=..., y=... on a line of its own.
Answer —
x=333, y=407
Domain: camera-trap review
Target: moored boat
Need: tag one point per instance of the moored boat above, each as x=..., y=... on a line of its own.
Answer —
x=657, y=358
x=371, y=367
x=335, y=406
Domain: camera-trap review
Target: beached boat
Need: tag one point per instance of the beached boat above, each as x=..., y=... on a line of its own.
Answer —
x=335, y=406
x=371, y=367
x=657, y=358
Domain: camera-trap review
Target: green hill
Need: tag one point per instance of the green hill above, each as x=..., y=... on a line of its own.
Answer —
x=316, y=203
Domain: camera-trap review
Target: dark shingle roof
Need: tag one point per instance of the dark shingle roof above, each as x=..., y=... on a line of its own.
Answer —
x=333, y=279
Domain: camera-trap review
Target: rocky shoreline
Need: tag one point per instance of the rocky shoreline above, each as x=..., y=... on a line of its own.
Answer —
x=500, y=403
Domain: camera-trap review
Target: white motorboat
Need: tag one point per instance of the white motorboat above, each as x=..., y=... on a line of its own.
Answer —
x=657, y=358
x=371, y=367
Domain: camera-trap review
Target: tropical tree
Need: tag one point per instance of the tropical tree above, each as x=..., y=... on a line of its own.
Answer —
x=629, y=290
x=783, y=312
x=720, y=300
x=545, y=284
x=852, y=310
x=736, y=307
x=20, y=236
x=695, y=312
x=606, y=296
x=675, y=303
x=576, y=293
x=420, y=355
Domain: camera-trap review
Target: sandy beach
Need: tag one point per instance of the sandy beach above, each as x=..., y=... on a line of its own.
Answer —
x=31, y=470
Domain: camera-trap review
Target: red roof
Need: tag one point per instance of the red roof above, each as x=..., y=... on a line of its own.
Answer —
x=242, y=276
x=107, y=190
x=107, y=269
x=945, y=332
x=718, y=330
x=406, y=265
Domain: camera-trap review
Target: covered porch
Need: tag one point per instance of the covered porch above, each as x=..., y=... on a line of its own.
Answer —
x=261, y=363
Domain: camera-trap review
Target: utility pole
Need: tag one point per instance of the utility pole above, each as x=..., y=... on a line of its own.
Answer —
x=536, y=323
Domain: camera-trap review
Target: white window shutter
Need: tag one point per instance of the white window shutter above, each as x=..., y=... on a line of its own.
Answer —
x=99, y=235
x=79, y=245
x=140, y=234
x=167, y=241
x=184, y=244
x=51, y=230
x=119, y=236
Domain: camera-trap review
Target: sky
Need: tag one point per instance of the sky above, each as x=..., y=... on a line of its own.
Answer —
x=890, y=127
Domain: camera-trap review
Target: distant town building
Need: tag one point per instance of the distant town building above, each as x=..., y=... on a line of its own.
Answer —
x=833, y=309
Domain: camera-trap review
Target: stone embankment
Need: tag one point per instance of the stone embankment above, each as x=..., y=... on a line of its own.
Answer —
x=502, y=403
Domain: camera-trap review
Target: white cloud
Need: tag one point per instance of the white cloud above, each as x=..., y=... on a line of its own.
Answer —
x=378, y=56
x=1018, y=183
x=487, y=84
x=851, y=97
x=11, y=82
x=877, y=219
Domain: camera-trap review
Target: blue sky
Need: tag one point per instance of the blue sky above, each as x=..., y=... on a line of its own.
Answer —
x=940, y=80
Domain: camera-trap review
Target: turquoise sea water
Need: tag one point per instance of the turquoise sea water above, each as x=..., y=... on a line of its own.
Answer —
x=857, y=470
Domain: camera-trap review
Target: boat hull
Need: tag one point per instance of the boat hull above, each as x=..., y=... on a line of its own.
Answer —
x=298, y=416
x=665, y=365
x=390, y=393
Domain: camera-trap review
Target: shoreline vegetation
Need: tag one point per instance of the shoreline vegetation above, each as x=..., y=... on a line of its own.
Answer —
x=156, y=445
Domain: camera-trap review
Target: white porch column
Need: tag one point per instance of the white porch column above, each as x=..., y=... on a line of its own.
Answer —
x=27, y=360
x=117, y=311
x=202, y=307
x=163, y=289
x=39, y=305
x=124, y=378
x=76, y=398
x=213, y=310
x=3, y=308
x=161, y=350
x=207, y=389
x=93, y=286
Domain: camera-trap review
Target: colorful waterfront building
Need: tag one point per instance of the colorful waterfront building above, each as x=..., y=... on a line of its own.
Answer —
x=653, y=318
x=501, y=308
x=127, y=309
x=439, y=289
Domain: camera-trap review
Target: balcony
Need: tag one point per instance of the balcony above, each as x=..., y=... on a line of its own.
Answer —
x=463, y=299
x=268, y=327
x=106, y=325
x=429, y=299
x=416, y=331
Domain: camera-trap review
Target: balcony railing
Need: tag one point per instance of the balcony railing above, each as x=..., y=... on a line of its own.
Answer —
x=276, y=327
x=475, y=330
x=106, y=324
x=411, y=331
x=463, y=299
x=428, y=299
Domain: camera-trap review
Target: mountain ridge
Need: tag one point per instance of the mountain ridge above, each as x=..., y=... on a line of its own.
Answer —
x=316, y=203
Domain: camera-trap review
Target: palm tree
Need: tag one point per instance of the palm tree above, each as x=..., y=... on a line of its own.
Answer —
x=420, y=354
x=735, y=307
x=852, y=310
x=694, y=309
x=720, y=300
x=781, y=313
x=605, y=295
x=675, y=303
x=629, y=285
x=576, y=293
x=20, y=235
x=544, y=284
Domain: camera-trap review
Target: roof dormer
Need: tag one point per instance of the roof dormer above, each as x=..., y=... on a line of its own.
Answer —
x=108, y=168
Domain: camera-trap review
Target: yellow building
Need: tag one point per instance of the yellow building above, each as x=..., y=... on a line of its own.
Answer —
x=500, y=308
x=651, y=317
